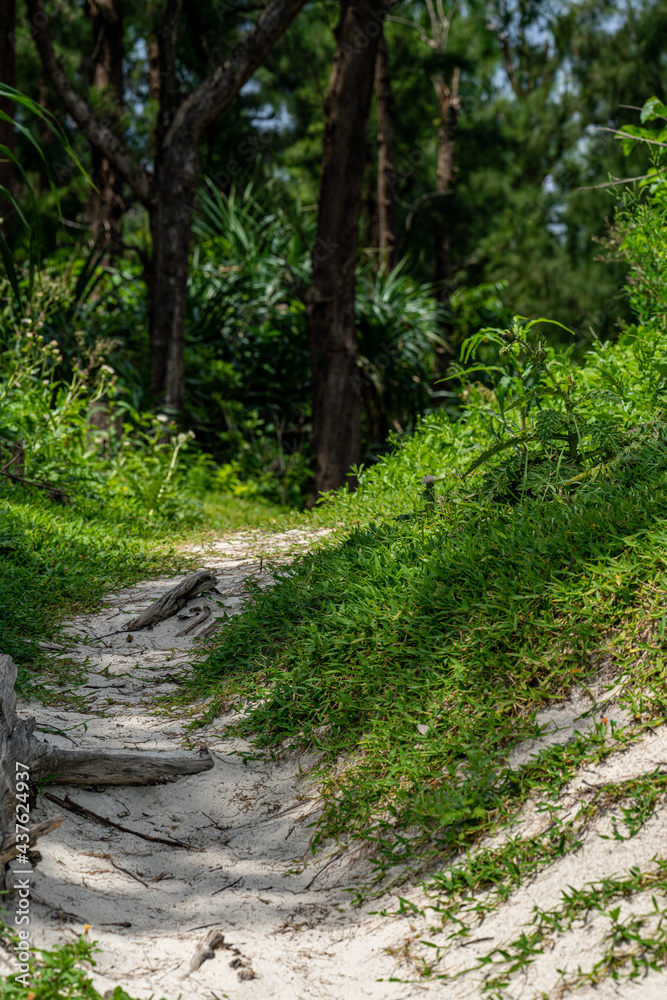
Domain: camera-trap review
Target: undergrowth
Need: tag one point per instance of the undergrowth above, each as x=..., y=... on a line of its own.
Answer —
x=417, y=655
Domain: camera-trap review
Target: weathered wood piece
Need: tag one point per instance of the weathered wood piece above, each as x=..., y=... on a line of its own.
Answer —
x=201, y=617
x=8, y=840
x=19, y=745
x=210, y=629
x=175, y=599
x=214, y=939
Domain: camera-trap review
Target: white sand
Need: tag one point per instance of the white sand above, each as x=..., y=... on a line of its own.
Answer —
x=289, y=930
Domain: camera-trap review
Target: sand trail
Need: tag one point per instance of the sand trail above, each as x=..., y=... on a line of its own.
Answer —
x=249, y=904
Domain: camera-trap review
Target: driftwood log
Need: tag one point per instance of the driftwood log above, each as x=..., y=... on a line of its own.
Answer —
x=175, y=599
x=199, y=620
x=19, y=745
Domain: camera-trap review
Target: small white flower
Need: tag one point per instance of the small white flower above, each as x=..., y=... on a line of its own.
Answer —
x=162, y=418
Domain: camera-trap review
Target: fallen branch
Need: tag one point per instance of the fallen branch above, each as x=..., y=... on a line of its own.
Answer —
x=210, y=629
x=175, y=599
x=74, y=807
x=19, y=453
x=55, y=492
x=21, y=752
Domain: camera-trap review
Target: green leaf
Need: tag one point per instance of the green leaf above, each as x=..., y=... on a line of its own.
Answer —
x=653, y=108
x=497, y=448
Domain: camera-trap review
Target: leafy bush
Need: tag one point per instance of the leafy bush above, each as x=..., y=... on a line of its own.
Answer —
x=80, y=439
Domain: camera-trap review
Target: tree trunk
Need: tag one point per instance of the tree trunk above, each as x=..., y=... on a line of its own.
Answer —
x=8, y=76
x=153, y=68
x=386, y=157
x=171, y=221
x=107, y=204
x=449, y=104
x=168, y=192
x=336, y=397
x=152, y=56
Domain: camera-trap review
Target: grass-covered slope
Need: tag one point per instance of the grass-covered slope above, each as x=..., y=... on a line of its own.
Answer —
x=417, y=649
x=422, y=651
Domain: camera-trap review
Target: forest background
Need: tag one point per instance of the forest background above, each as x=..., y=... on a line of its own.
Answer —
x=309, y=228
x=482, y=190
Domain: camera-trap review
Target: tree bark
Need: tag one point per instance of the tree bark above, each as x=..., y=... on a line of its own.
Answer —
x=152, y=56
x=107, y=204
x=169, y=191
x=449, y=104
x=386, y=157
x=8, y=76
x=170, y=222
x=336, y=396
x=153, y=68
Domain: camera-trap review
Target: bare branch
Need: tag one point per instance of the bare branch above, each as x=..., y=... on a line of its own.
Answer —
x=627, y=135
x=414, y=208
x=412, y=24
x=219, y=89
x=621, y=180
x=98, y=133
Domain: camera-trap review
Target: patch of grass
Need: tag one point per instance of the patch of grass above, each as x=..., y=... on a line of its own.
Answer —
x=54, y=972
x=489, y=876
x=57, y=561
x=223, y=512
x=633, y=945
x=416, y=654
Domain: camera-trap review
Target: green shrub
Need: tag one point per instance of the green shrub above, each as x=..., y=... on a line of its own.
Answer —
x=131, y=465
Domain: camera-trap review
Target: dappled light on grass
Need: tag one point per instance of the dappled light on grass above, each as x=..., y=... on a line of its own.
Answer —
x=422, y=653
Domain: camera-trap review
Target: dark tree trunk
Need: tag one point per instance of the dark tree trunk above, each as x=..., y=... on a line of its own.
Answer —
x=8, y=76
x=153, y=69
x=336, y=396
x=449, y=104
x=171, y=219
x=107, y=204
x=169, y=191
x=153, y=56
x=386, y=157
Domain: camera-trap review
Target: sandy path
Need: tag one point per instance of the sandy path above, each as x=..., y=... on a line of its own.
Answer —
x=289, y=930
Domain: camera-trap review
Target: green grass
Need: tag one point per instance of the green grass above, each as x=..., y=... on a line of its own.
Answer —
x=415, y=654
x=223, y=512
x=57, y=561
x=632, y=946
x=55, y=972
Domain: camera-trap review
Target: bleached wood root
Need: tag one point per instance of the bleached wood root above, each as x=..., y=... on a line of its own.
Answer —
x=22, y=753
x=175, y=599
x=8, y=840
